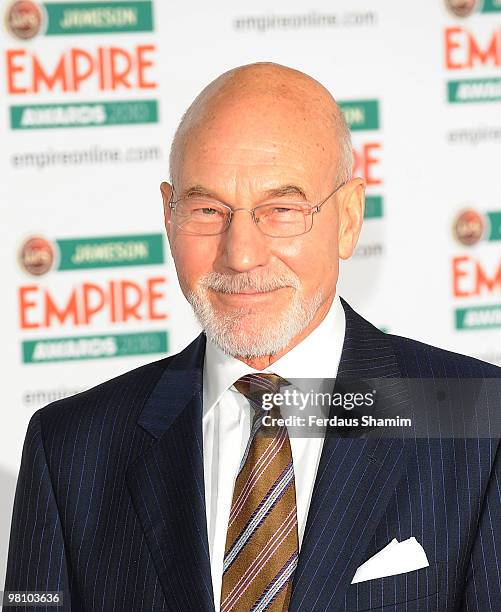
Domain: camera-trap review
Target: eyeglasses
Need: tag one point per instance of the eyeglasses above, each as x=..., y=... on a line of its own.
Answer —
x=207, y=217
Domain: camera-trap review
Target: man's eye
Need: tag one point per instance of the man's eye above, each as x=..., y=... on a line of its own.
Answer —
x=206, y=211
x=284, y=209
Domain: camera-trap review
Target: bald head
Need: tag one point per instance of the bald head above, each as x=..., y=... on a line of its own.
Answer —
x=266, y=98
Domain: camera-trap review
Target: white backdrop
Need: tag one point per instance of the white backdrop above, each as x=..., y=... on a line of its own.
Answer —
x=93, y=92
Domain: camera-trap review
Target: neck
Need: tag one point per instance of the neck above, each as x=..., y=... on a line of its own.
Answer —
x=263, y=362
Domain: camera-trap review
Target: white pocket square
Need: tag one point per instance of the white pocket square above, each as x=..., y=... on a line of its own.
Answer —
x=395, y=558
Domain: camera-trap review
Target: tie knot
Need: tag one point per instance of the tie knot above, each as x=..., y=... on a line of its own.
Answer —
x=254, y=386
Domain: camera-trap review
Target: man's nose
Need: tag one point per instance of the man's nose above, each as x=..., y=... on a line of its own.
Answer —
x=244, y=245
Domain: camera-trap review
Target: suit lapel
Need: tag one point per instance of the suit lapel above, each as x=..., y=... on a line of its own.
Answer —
x=167, y=483
x=355, y=480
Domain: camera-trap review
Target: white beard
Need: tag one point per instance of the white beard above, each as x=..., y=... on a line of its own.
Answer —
x=247, y=332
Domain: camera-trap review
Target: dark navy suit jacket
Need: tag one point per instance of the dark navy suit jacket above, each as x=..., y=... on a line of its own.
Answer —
x=109, y=506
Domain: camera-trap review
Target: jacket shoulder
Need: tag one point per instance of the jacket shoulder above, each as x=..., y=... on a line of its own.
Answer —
x=415, y=359
x=112, y=406
x=114, y=403
x=420, y=360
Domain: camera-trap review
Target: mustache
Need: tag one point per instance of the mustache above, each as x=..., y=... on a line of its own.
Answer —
x=236, y=283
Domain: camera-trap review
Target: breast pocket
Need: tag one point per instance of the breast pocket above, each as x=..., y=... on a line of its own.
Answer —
x=416, y=591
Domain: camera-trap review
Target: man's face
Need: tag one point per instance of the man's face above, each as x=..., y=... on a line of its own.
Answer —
x=256, y=293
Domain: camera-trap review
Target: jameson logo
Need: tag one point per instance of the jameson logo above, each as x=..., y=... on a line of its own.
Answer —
x=478, y=317
x=24, y=18
x=470, y=227
x=92, y=17
x=36, y=256
x=361, y=114
x=462, y=8
x=465, y=8
x=94, y=347
x=89, y=114
x=87, y=253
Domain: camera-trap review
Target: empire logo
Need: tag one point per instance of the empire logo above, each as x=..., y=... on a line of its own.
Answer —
x=105, y=69
x=87, y=305
x=367, y=162
x=102, y=68
x=363, y=116
x=116, y=301
x=475, y=278
x=472, y=278
x=93, y=301
x=78, y=70
x=467, y=50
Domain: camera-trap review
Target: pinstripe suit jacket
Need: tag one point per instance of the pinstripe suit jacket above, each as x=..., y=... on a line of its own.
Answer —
x=110, y=508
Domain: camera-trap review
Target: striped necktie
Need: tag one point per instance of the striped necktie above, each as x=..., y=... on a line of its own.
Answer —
x=261, y=550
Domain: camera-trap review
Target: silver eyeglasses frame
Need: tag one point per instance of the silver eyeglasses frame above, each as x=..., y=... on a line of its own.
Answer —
x=312, y=210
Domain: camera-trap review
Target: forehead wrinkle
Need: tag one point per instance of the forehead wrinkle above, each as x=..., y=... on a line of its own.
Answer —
x=232, y=151
x=281, y=191
x=296, y=121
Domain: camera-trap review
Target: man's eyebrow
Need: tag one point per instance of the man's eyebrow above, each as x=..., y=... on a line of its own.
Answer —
x=197, y=191
x=286, y=190
x=277, y=192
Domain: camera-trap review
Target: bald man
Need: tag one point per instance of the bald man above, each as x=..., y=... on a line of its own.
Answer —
x=183, y=485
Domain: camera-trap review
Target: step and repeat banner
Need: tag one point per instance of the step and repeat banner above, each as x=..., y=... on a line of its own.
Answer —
x=92, y=92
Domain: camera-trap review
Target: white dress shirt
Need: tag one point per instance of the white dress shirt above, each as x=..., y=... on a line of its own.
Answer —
x=226, y=426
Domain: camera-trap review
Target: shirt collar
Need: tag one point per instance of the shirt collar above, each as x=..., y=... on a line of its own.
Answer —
x=316, y=356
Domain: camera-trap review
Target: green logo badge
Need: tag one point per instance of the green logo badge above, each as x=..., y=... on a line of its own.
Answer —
x=88, y=114
x=361, y=114
x=478, y=317
x=474, y=90
x=103, y=346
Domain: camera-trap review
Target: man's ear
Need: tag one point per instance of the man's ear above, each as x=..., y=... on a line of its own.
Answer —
x=166, y=190
x=351, y=215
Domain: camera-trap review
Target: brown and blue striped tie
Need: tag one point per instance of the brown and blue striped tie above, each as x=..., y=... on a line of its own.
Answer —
x=261, y=550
